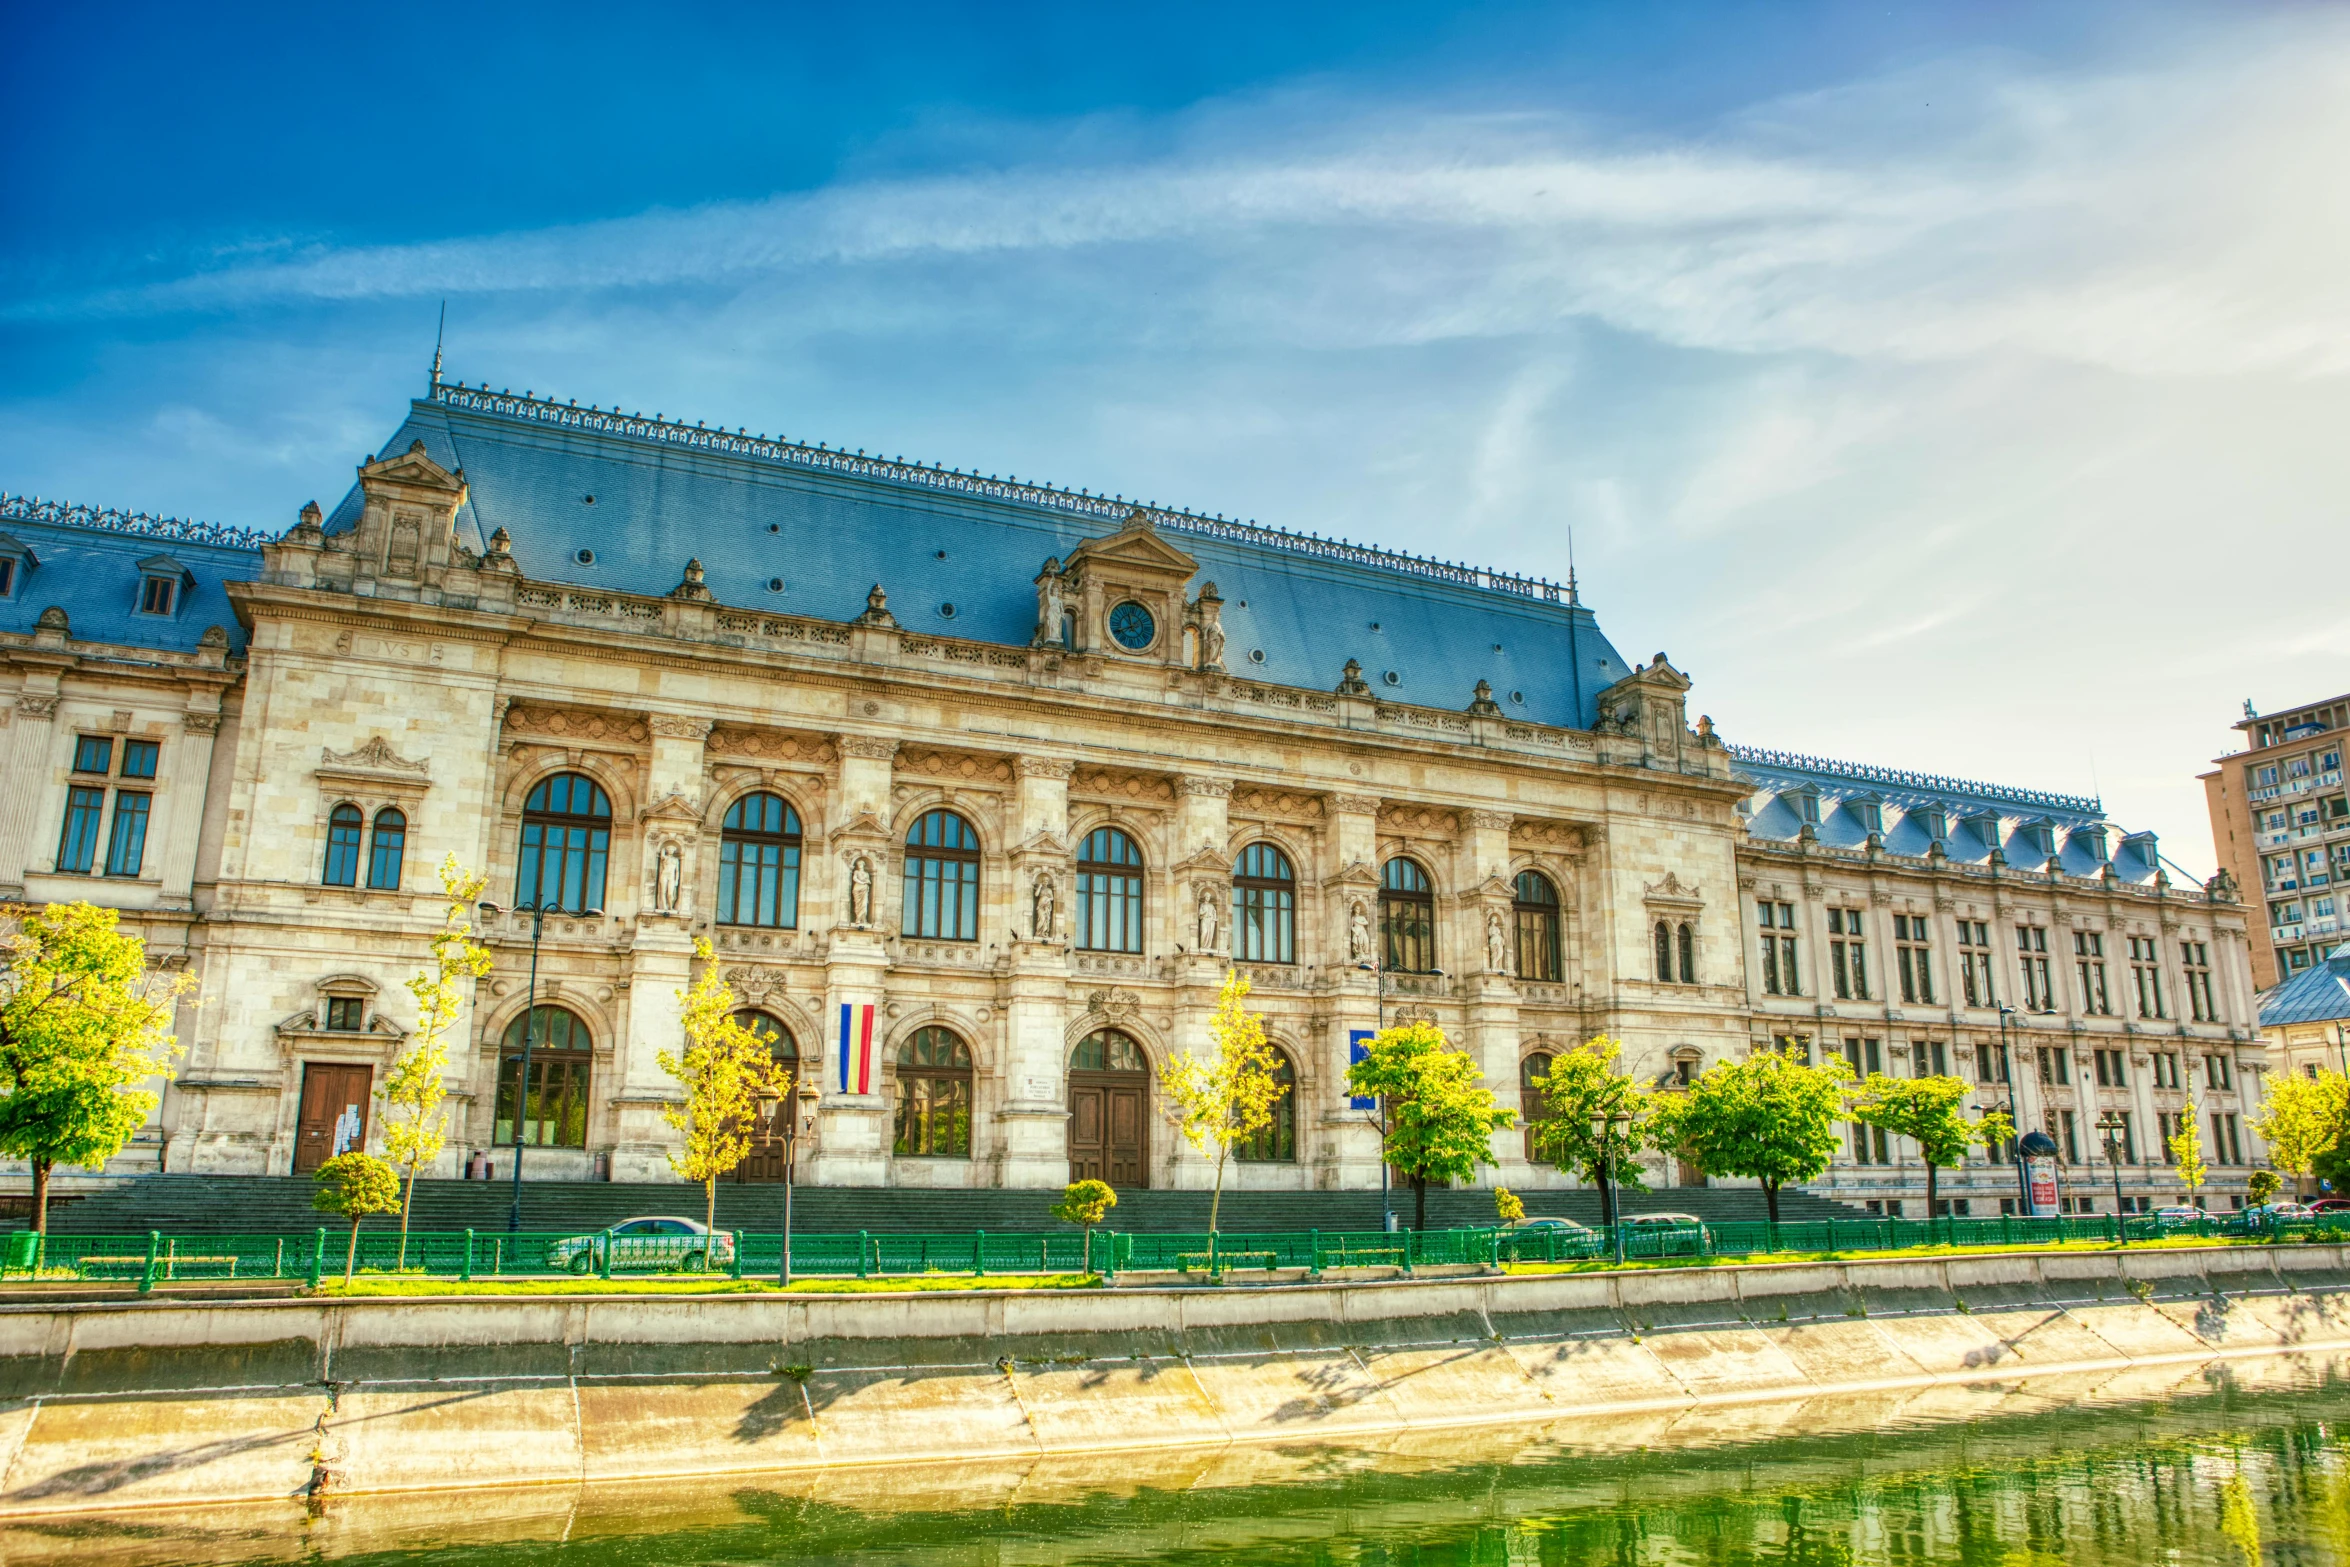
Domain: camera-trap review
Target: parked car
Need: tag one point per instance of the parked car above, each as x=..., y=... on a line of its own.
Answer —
x=1548, y=1239
x=2179, y=1218
x=1664, y=1235
x=2331, y=1205
x=659, y=1243
x=2265, y=1217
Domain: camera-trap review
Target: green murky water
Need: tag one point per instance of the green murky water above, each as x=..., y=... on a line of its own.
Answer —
x=2247, y=1465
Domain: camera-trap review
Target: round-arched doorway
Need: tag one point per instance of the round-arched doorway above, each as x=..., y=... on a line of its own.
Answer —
x=1109, y=1111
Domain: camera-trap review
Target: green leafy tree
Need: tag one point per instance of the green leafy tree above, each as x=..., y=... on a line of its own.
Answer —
x=83, y=1023
x=352, y=1186
x=2304, y=1122
x=1086, y=1203
x=725, y=1070
x=1584, y=1082
x=415, y=1126
x=1771, y=1117
x=1218, y=1102
x=1440, y=1116
x=1931, y=1111
x=1506, y=1206
x=2186, y=1154
x=2262, y=1186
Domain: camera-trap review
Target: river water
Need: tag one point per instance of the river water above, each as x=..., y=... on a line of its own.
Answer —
x=2245, y=1463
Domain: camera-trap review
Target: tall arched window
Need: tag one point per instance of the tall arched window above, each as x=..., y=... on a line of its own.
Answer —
x=942, y=879
x=759, y=863
x=342, y=846
x=767, y=1159
x=1277, y=1143
x=1664, y=952
x=1264, y=906
x=934, y=1097
x=386, y=849
x=781, y=1047
x=1688, y=949
x=1109, y=892
x=1533, y=1106
x=1536, y=903
x=1407, y=917
x=566, y=840
x=554, y=1111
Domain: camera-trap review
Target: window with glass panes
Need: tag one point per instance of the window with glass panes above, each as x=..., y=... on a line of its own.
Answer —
x=2089, y=964
x=1264, y=906
x=942, y=879
x=1870, y=1145
x=1974, y=964
x=759, y=863
x=1109, y=892
x=2146, y=976
x=1778, y=948
x=1407, y=917
x=1277, y=1143
x=1848, y=954
x=1913, y=955
x=934, y=1097
x=343, y=828
x=2039, y=988
x=2216, y=1073
x=1991, y=1063
x=387, y=849
x=1534, y=903
x=566, y=844
x=2165, y=1066
x=86, y=826
x=1533, y=1103
x=2109, y=1069
x=2195, y=960
x=554, y=1107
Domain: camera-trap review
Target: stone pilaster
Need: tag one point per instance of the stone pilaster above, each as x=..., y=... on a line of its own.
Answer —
x=660, y=967
x=30, y=741
x=852, y=1129
x=191, y=771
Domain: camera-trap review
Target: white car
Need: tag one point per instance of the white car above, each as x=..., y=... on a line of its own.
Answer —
x=659, y=1243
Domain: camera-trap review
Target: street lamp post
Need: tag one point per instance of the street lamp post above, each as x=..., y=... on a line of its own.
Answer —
x=800, y=1107
x=538, y=913
x=2023, y=1178
x=2110, y=1123
x=1604, y=1127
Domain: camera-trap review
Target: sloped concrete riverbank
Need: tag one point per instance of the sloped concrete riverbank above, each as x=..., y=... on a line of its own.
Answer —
x=137, y=1405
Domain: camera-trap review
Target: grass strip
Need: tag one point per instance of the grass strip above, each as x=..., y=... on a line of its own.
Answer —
x=911, y=1284
x=1608, y=1265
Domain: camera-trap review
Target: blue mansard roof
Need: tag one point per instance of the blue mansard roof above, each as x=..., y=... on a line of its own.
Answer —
x=90, y=562
x=1841, y=800
x=828, y=525
x=2315, y=995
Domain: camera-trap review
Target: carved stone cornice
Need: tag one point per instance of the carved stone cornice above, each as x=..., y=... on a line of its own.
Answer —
x=1355, y=804
x=1208, y=788
x=870, y=748
x=567, y=724
x=670, y=728
x=1046, y=767
x=1491, y=821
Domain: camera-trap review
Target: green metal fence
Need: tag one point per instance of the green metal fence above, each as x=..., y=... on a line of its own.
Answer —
x=157, y=1258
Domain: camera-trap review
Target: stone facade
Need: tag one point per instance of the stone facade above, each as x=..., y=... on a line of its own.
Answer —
x=2280, y=818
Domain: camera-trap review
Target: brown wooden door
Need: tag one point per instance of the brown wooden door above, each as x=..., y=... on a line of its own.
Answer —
x=334, y=1103
x=1109, y=1129
x=765, y=1160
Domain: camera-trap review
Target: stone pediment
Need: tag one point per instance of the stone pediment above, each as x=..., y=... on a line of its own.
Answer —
x=1674, y=890
x=373, y=758
x=1204, y=862
x=414, y=469
x=1135, y=547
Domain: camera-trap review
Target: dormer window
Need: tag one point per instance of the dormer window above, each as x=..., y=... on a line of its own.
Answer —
x=2093, y=840
x=1986, y=828
x=15, y=561
x=161, y=583
x=1869, y=811
x=2041, y=835
x=1934, y=820
x=1807, y=805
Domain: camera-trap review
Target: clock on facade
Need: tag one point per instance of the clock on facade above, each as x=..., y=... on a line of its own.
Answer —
x=1132, y=626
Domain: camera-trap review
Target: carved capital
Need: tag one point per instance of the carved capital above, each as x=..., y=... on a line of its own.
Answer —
x=200, y=723
x=1046, y=767
x=1491, y=821
x=679, y=728
x=1358, y=804
x=1210, y=788
x=37, y=706
x=871, y=748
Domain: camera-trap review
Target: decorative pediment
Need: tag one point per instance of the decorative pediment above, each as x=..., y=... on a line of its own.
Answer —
x=415, y=469
x=375, y=758
x=1673, y=890
x=1135, y=546
x=1045, y=843
x=675, y=807
x=1205, y=861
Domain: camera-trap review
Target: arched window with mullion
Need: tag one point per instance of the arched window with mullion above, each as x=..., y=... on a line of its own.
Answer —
x=759, y=863
x=566, y=844
x=1264, y=906
x=934, y=1097
x=554, y=1110
x=1534, y=1100
x=387, y=849
x=942, y=879
x=1407, y=917
x=1535, y=902
x=1109, y=892
x=343, y=825
x=1277, y=1143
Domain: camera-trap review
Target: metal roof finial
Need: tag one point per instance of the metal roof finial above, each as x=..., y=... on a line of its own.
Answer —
x=438, y=333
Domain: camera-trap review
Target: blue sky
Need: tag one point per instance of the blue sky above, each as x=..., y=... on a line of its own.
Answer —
x=1950, y=387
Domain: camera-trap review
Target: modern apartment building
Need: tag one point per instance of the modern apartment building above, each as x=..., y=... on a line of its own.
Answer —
x=2280, y=822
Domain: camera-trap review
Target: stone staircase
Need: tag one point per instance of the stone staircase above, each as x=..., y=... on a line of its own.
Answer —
x=222, y=1205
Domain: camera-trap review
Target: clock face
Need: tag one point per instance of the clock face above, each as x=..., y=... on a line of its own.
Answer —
x=1132, y=626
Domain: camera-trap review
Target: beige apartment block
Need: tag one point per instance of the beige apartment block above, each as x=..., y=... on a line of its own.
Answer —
x=2280, y=820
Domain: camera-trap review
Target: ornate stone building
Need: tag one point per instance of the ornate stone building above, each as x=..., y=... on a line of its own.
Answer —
x=975, y=837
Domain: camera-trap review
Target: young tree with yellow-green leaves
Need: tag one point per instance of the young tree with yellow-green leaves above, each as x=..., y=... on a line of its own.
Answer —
x=352, y=1186
x=1440, y=1116
x=1931, y=1112
x=1218, y=1102
x=2306, y=1124
x=725, y=1070
x=1585, y=1082
x=2186, y=1155
x=415, y=1127
x=1771, y=1116
x=83, y=1022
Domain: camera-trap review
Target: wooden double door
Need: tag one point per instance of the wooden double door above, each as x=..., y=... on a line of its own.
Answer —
x=333, y=1116
x=1109, y=1128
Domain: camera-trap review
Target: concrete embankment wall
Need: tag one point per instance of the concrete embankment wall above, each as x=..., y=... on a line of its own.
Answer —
x=162, y=1403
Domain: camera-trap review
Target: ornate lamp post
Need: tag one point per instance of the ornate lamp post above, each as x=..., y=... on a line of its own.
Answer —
x=1606, y=1127
x=799, y=1118
x=2110, y=1123
x=2023, y=1178
x=538, y=913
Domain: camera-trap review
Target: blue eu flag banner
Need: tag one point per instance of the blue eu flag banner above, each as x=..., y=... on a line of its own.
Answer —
x=1358, y=1045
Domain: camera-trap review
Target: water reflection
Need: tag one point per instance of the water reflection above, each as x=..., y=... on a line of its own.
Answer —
x=2240, y=1463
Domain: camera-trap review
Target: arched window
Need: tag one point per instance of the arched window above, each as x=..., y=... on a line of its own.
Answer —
x=781, y=1047
x=1109, y=892
x=1536, y=903
x=566, y=840
x=1664, y=951
x=1533, y=1107
x=934, y=1097
x=1407, y=917
x=1277, y=1143
x=554, y=1111
x=342, y=846
x=1264, y=906
x=942, y=879
x=1688, y=947
x=759, y=863
x=386, y=849
x=1107, y=1050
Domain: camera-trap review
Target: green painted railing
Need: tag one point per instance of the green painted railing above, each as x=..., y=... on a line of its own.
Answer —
x=313, y=1256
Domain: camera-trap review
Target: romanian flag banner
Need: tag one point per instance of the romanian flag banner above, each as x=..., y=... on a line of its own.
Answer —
x=856, y=1048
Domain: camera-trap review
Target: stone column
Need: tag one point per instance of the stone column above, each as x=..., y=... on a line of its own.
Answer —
x=1032, y=1118
x=31, y=739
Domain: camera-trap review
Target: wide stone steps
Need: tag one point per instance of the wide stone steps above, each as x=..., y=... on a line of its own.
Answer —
x=220, y=1205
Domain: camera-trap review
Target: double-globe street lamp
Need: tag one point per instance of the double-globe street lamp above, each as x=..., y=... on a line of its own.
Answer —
x=2111, y=1124
x=798, y=1105
x=538, y=913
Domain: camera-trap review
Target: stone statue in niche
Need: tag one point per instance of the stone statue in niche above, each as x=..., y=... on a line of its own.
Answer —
x=668, y=878
x=1052, y=602
x=1211, y=645
x=1496, y=950
x=1041, y=923
x=1358, y=933
x=860, y=891
x=1207, y=919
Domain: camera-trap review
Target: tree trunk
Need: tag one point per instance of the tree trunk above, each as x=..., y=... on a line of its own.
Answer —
x=1419, y=1202
x=351, y=1257
x=41, y=1169
x=1771, y=1202
x=407, y=1197
x=1932, y=1170
x=1216, y=1198
x=709, y=1220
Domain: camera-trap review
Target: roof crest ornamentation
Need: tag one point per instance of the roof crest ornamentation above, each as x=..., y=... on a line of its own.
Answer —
x=1932, y=783
x=64, y=514
x=734, y=443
